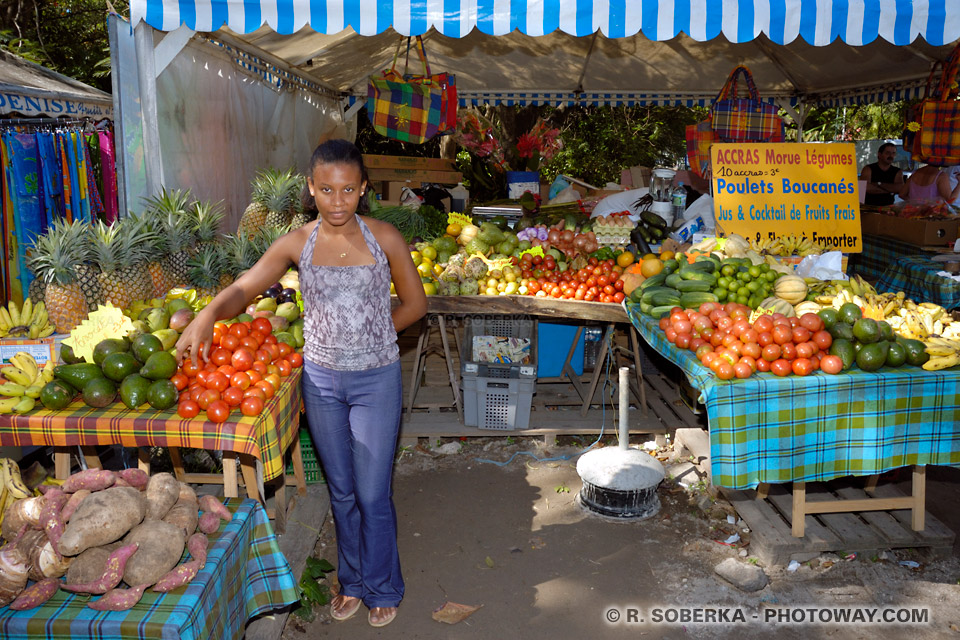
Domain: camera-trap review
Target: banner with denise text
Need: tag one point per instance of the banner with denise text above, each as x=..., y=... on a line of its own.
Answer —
x=782, y=189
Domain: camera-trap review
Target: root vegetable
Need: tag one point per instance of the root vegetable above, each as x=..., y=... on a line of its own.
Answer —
x=20, y=513
x=68, y=509
x=50, y=520
x=90, y=565
x=187, y=493
x=112, y=574
x=212, y=505
x=103, y=517
x=179, y=576
x=13, y=572
x=209, y=522
x=42, y=561
x=36, y=594
x=136, y=478
x=197, y=546
x=161, y=547
x=163, y=490
x=92, y=479
x=184, y=516
x=119, y=599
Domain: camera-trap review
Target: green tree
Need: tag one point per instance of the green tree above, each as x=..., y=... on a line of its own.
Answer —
x=856, y=122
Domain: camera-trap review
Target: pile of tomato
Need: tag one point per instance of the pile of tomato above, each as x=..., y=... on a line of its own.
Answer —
x=724, y=340
x=243, y=370
x=599, y=281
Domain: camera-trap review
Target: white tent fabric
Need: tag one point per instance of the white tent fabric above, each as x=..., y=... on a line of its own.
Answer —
x=597, y=52
x=30, y=90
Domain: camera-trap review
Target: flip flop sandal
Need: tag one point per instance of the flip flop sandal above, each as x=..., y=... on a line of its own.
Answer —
x=381, y=623
x=345, y=613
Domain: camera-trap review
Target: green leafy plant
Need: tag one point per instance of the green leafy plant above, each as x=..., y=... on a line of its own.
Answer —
x=313, y=588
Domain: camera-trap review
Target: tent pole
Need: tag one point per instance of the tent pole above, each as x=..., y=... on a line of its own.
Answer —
x=143, y=39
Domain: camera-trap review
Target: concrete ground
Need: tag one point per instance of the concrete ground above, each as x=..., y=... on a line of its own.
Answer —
x=513, y=540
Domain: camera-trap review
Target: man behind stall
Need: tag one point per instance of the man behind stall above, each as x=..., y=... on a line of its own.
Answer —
x=883, y=179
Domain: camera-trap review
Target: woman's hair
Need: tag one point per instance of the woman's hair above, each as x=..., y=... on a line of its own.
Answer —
x=339, y=151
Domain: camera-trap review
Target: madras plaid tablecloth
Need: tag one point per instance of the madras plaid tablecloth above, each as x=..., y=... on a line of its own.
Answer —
x=818, y=427
x=917, y=277
x=245, y=575
x=266, y=436
x=879, y=252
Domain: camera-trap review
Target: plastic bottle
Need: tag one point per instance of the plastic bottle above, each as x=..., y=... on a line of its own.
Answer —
x=458, y=197
x=679, y=199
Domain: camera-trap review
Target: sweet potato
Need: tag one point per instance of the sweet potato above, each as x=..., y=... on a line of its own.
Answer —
x=20, y=513
x=179, y=576
x=36, y=594
x=119, y=599
x=111, y=575
x=184, y=515
x=162, y=493
x=92, y=479
x=103, y=517
x=42, y=560
x=213, y=505
x=120, y=482
x=75, y=499
x=136, y=478
x=50, y=520
x=209, y=522
x=197, y=546
x=161, y=546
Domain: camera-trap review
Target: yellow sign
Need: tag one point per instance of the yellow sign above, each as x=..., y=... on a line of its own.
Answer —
x=458, y=218
x=106, y=322
x=534, y=251
x=808, y=190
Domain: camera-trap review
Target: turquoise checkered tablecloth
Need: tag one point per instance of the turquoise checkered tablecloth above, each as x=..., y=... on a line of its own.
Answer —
x=879, y=252
x=245, y=575
x=818, y=427
x=917, y=277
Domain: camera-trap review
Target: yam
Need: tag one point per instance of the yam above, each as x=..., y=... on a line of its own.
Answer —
x=163, y=490
x=92, y=479
x=161, y=547
x=50, y=520
x=90, y=565
x=72, y=504
x=136, y=478
x=103, y=517
x=184, y=515
x=209, y=522
x=119, y=599
x=213, y=505
x=42, y=561
x=112, y=574
x=20, y=513
x=36, y=594
x=179, y=576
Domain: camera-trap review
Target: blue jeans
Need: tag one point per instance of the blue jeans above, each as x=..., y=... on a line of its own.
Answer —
x=354, y=419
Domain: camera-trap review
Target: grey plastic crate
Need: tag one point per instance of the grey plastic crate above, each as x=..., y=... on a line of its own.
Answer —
x=499, y=403
x=504, y=327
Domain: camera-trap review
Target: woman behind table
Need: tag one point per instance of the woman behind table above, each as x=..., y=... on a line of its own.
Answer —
x=351, y=381
x=930, y=183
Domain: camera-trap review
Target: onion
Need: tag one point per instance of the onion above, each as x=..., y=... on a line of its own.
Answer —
x=553, y=236
x=579, y=241
x=542, y=233
x=591, y=246
x=593, y=238
x=567, y=236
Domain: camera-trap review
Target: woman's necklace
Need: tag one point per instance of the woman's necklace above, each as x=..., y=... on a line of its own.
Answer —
x=349, y=245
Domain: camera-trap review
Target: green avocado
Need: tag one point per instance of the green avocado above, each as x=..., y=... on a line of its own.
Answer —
x=133, y=390
x=77, y=375
x=56, y=395
x=99, y=393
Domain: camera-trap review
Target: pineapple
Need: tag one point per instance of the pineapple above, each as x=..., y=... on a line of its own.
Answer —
x=37, y=290
x=284, y=192
x=240, y=252
x=267, y=236
x=206, y=218
x=121, y=250
x=205, y=269
x=154, y=245
x=300, y=216
x=171, y=207
x=88, y=277
x=255, y=215
x=52, y=259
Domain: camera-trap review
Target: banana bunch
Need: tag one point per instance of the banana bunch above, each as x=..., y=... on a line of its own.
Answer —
x=24, y=379
x=944, y=353
x=921, y=322
x=12, y=487
x=786, y=246
x=30, y=322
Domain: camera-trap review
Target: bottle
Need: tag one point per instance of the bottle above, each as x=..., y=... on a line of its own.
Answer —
x=458, y=197
x=679, y=199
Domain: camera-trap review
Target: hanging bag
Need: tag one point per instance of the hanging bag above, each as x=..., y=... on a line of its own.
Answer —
x=402, y=109
x=699, y=138
x=913, y=114
x=736, y=119
x=939, y=135
x=445, y=81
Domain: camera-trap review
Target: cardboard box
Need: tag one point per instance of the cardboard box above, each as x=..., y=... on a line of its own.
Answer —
x=916, y=231
x=870, y=222
x=404, y=162
x=402, y=175
x=392, y=190
x=42, y=349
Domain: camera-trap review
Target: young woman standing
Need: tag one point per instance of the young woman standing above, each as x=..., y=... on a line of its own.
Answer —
x=351, y=380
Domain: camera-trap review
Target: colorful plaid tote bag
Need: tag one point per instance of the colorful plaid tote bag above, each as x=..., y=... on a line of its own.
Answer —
x=699, y=138
x=404, y=110
x=939, y=135
x=447, y=83
x=736, y=119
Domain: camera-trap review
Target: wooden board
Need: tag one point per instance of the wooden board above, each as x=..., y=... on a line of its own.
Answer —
x=528, y=305
x=864, y=532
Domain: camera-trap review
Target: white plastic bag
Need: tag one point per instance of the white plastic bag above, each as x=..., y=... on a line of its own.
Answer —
x=702, y=207
x=826, y=266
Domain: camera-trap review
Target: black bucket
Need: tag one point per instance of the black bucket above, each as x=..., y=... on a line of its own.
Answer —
x=617, y=503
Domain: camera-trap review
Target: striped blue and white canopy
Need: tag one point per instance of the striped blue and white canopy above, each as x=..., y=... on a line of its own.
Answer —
x=817, y=22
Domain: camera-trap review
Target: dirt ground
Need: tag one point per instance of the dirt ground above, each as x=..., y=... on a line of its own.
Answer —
x=514, y=540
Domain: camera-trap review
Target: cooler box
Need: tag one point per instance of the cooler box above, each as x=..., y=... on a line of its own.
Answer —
x=553, y=344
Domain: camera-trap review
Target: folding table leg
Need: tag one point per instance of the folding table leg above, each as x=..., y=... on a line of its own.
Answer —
x=799, y=508
x=919, y=495
x=177, y=462
x=597, y=369
x=454, y=385
x=230, y=487
x=418, y=364
x=638, y=371
x=61, y=462
x=143, y=459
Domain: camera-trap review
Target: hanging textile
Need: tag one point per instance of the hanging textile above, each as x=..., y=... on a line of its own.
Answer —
x=51, y=176
x=80, y=162
x=11, y=284
x=109, y=172
x=96, y=204
x=24, y=191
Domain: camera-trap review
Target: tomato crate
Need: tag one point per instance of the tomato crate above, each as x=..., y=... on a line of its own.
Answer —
x=311, y=464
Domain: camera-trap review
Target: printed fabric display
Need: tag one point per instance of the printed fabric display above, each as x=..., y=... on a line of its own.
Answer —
x=938, y=139
x=736, y=119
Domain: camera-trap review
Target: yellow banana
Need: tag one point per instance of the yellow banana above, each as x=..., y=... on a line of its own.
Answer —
x=7, y=404
x=11, y=389
x=34, y=332
x=938, y=350
x=27, y=363
x=936, y=364
x=3, y=502
x=26, y=404
x=46, y=331
x=33, y=391
x=11, y=474
x=26, y=312
x=46, y=375
x=5, y=322
x=16, y=376
x=14, y=313
x=40, y=318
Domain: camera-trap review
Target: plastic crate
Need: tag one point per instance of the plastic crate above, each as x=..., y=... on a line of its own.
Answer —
x=504, y=327
x=311, y=464
x=553, y=344
x=498, y=402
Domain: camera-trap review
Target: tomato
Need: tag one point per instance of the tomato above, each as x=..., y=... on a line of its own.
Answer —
x=751, y=362
x=240, y=380
x=230, y=342
x=284, y=349
x=763, y=365
x=209, y=366
x=801, y=334
x=218, y=331
x=750, y=335
x=680, y=325
x=180, y=381
x=296, y=360
x=262, y=325
x=270, y=339
x=274, y=379
x=254, y=375
x=725, y=371
x=780, y=367
x=764, y=338
x=218, y=411
x=263, y=355
x=771, y=352
x=671, y=334
x=242, y=359
x=227, y=370
x=268, y=389
x=752, y=349
x=696, y=343
x=188, y=409
x=239, y=329
x=286, y=369
x=207, y=398
x=251, y=406
x=823, y=339
x=259, y=367
x=189, y=369
x=703, y=349
x=788, y=351
x=782, y=334
x=196, y=392
x=802, y=367
x=218, y=381
x=811, y=322
x=805, y=350
x=272, y=369
x=233, y=396
x=257, y=392
x=618, y=285
x=726, y=322
x=683, y=341
x=742, y=370
x=763, y=323
x=249, y=342
x=220, y=356
x=831, y=364
x=202, y=377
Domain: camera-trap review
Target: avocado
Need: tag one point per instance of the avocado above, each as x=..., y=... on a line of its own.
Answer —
x=850, y=313
x=896, y=354
x=99, y=393
x=77, y=375
x=56, y=395
x=842, y=330
x=829, y=317
x=159, y=366
x=866, y=330
x=844, y=348
x=144, y=345
x=886, y=331
x=915, y=351
x=872, y=356
x=67, y=356
x=108, y=346
x=162, y=395
x=118, y=366
x=133, y=390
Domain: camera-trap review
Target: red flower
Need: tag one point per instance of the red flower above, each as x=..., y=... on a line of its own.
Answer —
x=528, y=146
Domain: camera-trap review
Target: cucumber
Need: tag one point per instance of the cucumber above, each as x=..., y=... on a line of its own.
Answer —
x=693, y=299
x=663, y=298
x=673, y=280
x=685, y=286
x=654, y=281
x=652, y=220
x=658, y=312
x=695, y=274
x=649, y=293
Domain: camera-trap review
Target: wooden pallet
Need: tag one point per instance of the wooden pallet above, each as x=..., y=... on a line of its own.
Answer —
x=770, y=523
